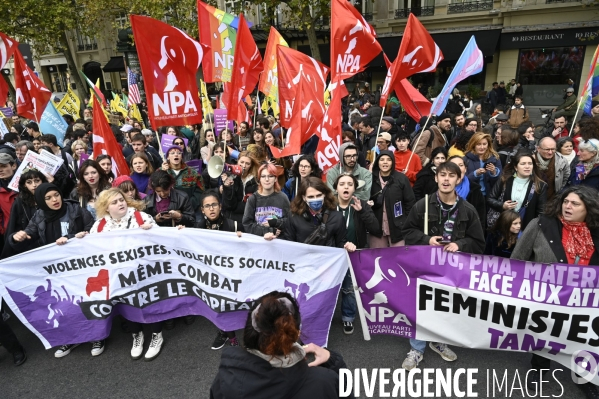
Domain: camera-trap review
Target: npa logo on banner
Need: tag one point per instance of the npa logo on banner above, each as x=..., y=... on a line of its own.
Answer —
x=481, y=302
x=150, y=276
x=169, y=60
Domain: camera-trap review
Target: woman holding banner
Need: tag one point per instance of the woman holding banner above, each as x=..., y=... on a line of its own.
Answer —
x=92, y=181
x=187, y=179
x=314, y=217
x=567, y=232
x=118, y=212
x=214, y=219
x=56, y=220
x=276, y=362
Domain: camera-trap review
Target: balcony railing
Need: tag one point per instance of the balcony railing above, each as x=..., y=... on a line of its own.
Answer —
x=367, y=16
x=470, y=6
x=87, y=47
x=418, y=12
x=562, y=1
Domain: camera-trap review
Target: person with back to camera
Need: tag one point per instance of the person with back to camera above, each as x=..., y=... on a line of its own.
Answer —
x=273, y=364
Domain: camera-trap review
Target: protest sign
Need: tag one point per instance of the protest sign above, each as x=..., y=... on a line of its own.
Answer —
x=3, y=129
x=195, y=164
x=53, y=123
x=70, y=104
x=6, y=111
x=45, y=162
x=221, y=122
x=166, y=141
x=69, y=294
x=481, y=302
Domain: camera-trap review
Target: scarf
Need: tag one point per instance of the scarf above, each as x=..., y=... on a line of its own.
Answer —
x=215, y=225
x=580, y=243
x=141, y=181
x=385, y=224
x=451, y=215
x=50, y=215
x=295, y=356
x=543, y=163
x=464, y=188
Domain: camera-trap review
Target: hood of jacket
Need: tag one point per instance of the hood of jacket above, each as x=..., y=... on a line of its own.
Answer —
x=342, y=149
x=375, y=167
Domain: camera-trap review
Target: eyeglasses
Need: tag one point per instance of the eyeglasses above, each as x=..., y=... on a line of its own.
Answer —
x=178, y=143
x=305, y=166
x=211, y=206
x=267, y=177
x=548, y=149
x=350, y=156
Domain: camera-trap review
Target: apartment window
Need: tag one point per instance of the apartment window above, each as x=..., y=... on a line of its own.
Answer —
x=121, y=21
x=460, y=6
x=231, y=5
x=86, y=43
x=420, y=8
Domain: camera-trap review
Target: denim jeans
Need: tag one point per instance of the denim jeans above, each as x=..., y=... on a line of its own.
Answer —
x=348, y=299
x=418, y=345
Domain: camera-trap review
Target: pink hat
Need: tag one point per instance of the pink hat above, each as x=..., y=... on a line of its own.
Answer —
x=121, y=179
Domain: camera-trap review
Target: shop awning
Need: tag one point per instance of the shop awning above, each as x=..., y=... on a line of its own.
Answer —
x=451, y=44
x=116, y=64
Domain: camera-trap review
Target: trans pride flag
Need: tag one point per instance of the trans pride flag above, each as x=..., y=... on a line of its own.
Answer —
x=470, y=63
x=591, y=87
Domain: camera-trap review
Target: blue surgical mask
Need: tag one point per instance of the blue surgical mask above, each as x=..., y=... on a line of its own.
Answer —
x=315, y=204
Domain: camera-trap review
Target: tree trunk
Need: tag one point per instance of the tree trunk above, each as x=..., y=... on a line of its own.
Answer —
x=75, y=77
x=311, y=32
x=11, y=89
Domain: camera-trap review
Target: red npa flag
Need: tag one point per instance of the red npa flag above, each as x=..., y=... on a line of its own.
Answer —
x=418, y=53
x=415, y=104
x=293, y=141
x=293, y=66
x=169, y=60
x=247, y=66
x=353, y=41
x=32, y=95
x=329, y=132
x=7, y=48
x=105, y=142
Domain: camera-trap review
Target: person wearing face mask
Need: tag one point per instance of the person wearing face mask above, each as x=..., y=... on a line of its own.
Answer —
x=55, y=221
x=117, y=212
x=214, y=219
x=187, y=179
x=315, y=208
x=237, y=189
x=425, y=179
x=167, y=205
x=566, y=232
x=24, y=207
x=402, y=155
x=359, y=219
x=520, y=189
x=305, y=166
x=393, y=199
x=268, y=208
x=92, y=181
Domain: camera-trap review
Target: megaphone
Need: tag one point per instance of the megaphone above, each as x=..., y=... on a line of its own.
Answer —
x=216, y=167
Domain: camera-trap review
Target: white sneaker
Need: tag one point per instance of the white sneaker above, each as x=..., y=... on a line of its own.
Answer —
x=446, y=354
x=155, y=346
x=138, y=345
x=65, y=350
x=412, y=360
x=97, y=348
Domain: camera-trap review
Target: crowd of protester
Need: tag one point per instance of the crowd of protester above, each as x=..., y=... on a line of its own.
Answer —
x=495, y=184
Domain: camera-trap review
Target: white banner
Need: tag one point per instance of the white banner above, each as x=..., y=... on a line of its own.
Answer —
x=69, y=294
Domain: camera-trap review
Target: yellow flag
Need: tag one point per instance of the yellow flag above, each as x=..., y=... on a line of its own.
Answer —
x=136, y=114
x=1, y=115
x=70, y=104
x=327, y=98
x=266, y=104
x=206, y=104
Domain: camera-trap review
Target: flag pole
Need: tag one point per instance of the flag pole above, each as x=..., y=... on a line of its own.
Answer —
x=417, y=141
x=575, y=116
x=356, y=289
x=256, y=106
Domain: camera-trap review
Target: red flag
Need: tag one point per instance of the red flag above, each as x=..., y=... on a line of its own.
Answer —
x=293, y=140
x=292, y=67
x=7, y=48
x=353, y=41
x=105, y=142
x=247, y=66
x=329, y=132
x=32, y=95
x=169, y=60
x=97, y=284
x=418, y=53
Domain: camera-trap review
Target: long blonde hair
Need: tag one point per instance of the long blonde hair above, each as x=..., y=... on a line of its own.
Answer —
x=107, y=196
x=477, y=138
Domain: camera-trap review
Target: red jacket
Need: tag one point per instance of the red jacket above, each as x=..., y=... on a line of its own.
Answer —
x=401, y=159
x=7, y=197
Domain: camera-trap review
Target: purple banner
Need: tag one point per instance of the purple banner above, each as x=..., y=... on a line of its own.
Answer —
x=481, y=301
x=221, y=122
x=166, y=141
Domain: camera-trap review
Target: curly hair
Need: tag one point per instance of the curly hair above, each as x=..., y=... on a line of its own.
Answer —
x=589, y=128
x=83, y=189
x=299, y=206
x=588, y=196
x=24, y=193
x=279, y=328
x=316, y=171
x=462, y=140
x=107, y=196
x=477, y=138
